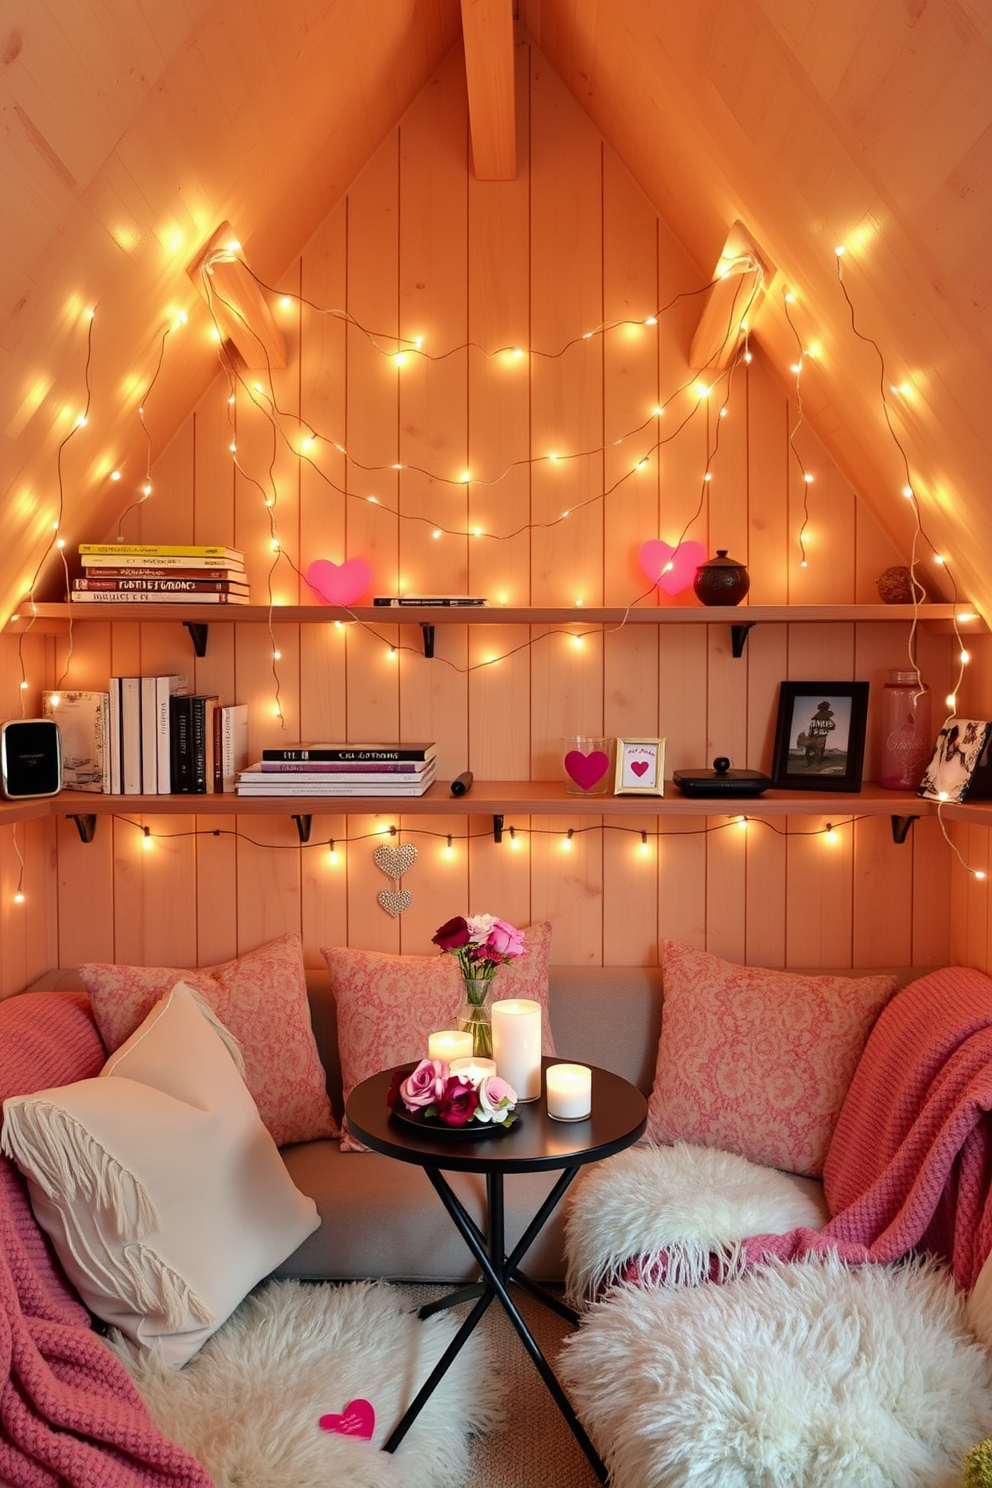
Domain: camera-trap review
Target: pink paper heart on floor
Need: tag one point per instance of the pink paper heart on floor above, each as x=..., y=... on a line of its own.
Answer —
x=639, y=767
x=656, y=556
x=586, y=769
x=357, y=1419
x=339, y=583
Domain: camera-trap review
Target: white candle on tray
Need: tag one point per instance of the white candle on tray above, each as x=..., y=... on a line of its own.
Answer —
x=449, y=1044
x=517, y=1045
x=569, y=1089
x=474, y=1069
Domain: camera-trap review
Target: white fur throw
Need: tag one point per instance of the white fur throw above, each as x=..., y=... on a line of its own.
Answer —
x=801, y=1375
x=692, y=1204
x=249, y=1404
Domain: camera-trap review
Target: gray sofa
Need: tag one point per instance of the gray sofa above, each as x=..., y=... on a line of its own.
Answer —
x=381, y=1218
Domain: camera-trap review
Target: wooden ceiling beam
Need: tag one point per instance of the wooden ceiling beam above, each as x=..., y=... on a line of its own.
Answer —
x=740, y=280
x=487, y=30
x=238, y=307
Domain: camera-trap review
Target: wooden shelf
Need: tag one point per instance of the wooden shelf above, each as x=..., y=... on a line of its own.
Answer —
x=54, y=618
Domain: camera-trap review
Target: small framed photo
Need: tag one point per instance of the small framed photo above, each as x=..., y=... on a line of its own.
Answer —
x=959, y=749
x=820, y=736
x=640, y=767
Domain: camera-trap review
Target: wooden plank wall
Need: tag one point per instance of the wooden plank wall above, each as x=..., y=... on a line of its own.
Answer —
x=417, y=247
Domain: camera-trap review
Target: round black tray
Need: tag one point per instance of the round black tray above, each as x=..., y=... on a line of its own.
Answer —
x=472, y=1131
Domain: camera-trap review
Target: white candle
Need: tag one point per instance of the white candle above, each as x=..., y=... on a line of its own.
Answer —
x=474, y=1069
x=517, y=1045
x=569, y=1091
x=449, y=1044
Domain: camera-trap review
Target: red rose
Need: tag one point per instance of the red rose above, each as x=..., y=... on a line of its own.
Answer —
x=459, y=1102
x=452, y=935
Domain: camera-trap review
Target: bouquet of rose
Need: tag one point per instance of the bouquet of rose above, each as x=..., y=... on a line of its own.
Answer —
x=432, y=1092
x=482, y=944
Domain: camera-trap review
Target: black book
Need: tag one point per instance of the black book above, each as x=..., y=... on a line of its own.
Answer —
x=352, y=753
x=191, y=743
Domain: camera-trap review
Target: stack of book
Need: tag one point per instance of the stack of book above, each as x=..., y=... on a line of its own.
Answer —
x=208, y=744
x=341, y=770
x=160, y=573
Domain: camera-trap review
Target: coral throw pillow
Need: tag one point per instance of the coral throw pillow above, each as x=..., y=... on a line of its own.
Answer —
x=757, y=1062
x=262, y=999
x=161, y=1190
x=388, y=1006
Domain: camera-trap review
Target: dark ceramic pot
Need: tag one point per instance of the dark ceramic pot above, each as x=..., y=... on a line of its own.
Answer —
x=721, y=580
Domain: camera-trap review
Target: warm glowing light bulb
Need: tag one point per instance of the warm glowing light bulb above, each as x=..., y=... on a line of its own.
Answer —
x=979, y=873
x=518, y=351
x=277, y=656
x=23, y=686
x=54, y=699
x=115, y=475
x=146, y=489
x=449, y=851
x=790, y=298
x=514, y=839
x=392, y=653
x=907, y=491
x=332, y=853
x=808, y=479
x=966, y=657
x=645, y=848
x=939, y=558
x=951, y=700
x=232, y=447
x=81, y=421
x=18, y=897
x=374, y=500
x=285, y=302
x=840, y=250
x=643, y=464
x=275, y=545
x=804, y=564
x=465, y=477
x=742, y=823
x=146, y=841
x=552, y=455
x=668, y=567
x=658, y=411
x=703, y=390
x=942, y=795
x=577, y=642
x=830, y=834
x=566, y=841
x=651, y=320
x=418, y=342
x=708, y=476
x=400, y=359
x=476, y=531
x=307, y=444
x=436, y=532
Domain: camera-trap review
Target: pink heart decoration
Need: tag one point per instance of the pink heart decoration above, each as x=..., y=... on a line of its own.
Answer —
x=586, y=769
x=357, y=1419
x=655, y=556
x=639, y=767
x=339, y=583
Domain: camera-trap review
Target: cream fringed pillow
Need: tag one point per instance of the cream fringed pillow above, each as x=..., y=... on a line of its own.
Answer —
x=757, y=1062
x=389, y=1005
x=262, y=998
x=162, y=1192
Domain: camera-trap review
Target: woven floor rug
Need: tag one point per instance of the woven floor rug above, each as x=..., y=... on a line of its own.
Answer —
x=284, y=1394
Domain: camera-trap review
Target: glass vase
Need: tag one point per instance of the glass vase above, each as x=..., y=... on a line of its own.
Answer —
x=907, y=743
x=475, y=1016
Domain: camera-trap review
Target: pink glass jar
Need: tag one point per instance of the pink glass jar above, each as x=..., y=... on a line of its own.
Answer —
x=905, y=731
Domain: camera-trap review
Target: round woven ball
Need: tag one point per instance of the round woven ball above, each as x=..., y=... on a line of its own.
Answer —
x=895, y=586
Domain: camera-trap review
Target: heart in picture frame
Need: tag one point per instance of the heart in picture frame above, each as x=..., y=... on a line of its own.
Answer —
x=672, y=569
x=339, y=583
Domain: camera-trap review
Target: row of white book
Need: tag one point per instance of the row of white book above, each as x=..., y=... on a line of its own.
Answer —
x=341, y=770
x=148, y=736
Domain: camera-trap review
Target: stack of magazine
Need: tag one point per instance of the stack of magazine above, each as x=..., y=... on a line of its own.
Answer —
x=160, y=573
x=341, y=770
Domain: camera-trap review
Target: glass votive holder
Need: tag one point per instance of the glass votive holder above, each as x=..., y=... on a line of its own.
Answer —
x=587, y=764
x=475, y=1069
x=448, y=1044
x=569, y=1091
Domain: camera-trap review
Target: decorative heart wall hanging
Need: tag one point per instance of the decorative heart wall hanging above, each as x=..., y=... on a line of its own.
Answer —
x=339, y=583
x=357, y=1419
x=672, y=569
x=394, y=862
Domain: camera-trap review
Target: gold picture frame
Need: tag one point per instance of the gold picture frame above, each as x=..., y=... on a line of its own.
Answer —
x=640, y=767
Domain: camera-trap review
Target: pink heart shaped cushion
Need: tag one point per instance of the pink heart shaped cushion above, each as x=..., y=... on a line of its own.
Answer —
x=357, y=1419
x=672, y=569
x=586, y=769
x=339, y=583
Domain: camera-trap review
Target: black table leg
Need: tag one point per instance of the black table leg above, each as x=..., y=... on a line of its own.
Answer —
x=497, y=1271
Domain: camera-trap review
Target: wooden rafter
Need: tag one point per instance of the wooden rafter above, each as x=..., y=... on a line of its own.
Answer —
x=487, y=29
x=239, y=308
x=740, y=280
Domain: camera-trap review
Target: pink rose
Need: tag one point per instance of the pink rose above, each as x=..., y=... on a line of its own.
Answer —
x=505, y=940
x=457, y=1105
x=497, y=1099
x=425, y=1085
x=452, y=935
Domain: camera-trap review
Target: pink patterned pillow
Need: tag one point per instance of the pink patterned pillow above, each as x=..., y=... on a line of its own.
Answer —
x=757, y=1062
x=262, y=999
x=389, y=1005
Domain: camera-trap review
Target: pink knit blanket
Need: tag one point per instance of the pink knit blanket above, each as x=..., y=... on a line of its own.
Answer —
x=70, y=1416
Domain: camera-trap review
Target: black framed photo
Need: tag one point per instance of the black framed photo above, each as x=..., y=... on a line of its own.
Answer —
x=820, y=736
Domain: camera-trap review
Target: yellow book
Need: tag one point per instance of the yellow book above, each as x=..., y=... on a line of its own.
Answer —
x=162, y=550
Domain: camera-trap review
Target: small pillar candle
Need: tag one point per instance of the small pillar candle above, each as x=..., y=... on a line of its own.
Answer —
x=569, y=1091
x=474, y=1069
x=449, y=1044
x=517, y=1045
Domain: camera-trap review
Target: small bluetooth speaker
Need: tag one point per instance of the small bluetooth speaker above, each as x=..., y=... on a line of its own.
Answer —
x=30, y=758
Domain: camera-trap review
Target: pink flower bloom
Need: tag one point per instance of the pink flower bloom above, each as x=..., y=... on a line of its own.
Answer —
x=497, y=1099
x=505, y=940
x=425, y=1085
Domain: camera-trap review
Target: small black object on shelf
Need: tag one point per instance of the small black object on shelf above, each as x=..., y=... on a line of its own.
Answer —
x=721, y=781
x=462, y=783
x=721, y=580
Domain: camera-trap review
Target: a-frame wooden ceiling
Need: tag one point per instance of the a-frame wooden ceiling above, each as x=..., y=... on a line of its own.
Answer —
x=131, y=128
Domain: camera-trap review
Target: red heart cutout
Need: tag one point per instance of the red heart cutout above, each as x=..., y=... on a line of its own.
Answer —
x=640, y=767
x=672, y=569
x=357, y=1419
x=586, y=769
x=339, y=583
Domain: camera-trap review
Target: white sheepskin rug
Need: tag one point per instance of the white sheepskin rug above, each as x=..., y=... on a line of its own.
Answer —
x=805, y=1375
x=249, y=1404
x=693, y=1204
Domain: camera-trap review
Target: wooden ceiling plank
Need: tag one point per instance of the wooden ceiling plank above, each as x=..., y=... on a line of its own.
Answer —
x=487, y=30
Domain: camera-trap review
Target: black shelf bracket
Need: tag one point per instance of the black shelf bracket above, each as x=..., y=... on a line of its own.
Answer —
x=497, y=828
x=428, y=631
x=738, y=635
x=198, y=630
x=901, y=826
x=303, y=825
x=86, y=827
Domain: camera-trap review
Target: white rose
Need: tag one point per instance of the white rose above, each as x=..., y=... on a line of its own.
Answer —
x=479, y=927
x=497, y=1099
